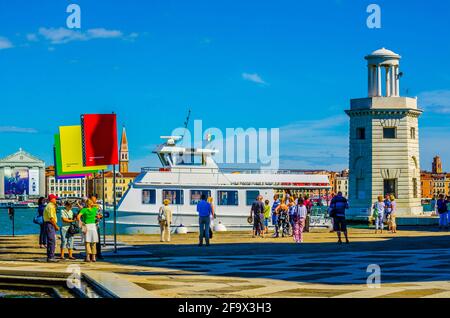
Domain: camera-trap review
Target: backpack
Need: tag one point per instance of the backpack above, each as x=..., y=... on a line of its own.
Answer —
x=162, y=217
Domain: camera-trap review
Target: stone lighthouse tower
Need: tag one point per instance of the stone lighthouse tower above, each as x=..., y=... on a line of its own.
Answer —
x=384, y=141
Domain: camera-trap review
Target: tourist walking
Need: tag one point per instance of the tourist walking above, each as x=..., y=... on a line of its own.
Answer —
x=257, y=212
x=88, y=216
x=204, y=212
x=275, y=205
x=40, y=215
x=165, y=221
x=267, y=210
x=338, y=206
x=378, y=214
x=67, y=237
x=51, y=226
x=299, y=217
x=442, y=210
x=392, y=215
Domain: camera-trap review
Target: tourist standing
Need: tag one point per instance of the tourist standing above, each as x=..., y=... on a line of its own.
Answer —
x=66, y=237
x=165, y=221
x=51, y=226
x=392, y=215
x=283, y=219
x=276, y=203
x=89, y=215
x=266, y=216
x=387, y=206
x=378, y=214
x=42, y=234
x=97, y=224
x=212, y=216
x=442, y=210
x=299, y=217
x=338, y=206
x=291, y=205
x=433, y=205
x=308, y=204
x=257, y=212
x=204, y=212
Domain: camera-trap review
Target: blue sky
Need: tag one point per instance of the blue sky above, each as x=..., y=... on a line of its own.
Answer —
x=287, y=64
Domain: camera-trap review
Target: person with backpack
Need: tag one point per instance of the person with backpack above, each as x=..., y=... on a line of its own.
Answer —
x=298, y=218
x=165, y=221
x=378, y=214
x=338, y=206
x=442, y=210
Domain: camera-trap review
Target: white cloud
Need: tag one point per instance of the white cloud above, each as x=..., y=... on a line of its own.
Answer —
x=5, y=43
x=437, y=101
x=255, y=78
x=63, y=35
x=32, y=37
x=14, y=129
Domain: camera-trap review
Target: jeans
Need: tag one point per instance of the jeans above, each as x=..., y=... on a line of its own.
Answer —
x=204, y=222
x=42, y=235
x=379, y=222
x=51, y=240
x=443, y=219
x=66, y=239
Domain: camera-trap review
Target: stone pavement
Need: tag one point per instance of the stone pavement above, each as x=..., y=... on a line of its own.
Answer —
x=413, y=263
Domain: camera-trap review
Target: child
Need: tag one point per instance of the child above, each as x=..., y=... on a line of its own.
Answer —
x=378, y=214
x=267, y=210
x=299, y=217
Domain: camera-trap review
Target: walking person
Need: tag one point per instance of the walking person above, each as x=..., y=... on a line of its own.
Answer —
x=338, y=206
x=391, y=221
x=257, y=212
x=378, y=214
x=42, y=233
x=442, y=210
x=165, y=221
x=276, y=203
x=204, y=212
x=299, y=217
x=66, y=237
x=88, y=216
x=51, y=226
x=267, y=209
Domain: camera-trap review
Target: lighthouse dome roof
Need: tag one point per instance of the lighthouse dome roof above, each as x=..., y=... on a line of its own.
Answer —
x=384, y=52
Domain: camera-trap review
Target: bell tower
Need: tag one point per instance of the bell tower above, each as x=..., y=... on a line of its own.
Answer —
x=384, y=141
x=123, y=153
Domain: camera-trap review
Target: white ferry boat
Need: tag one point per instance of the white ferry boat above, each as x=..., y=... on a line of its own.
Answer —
x=186, y=174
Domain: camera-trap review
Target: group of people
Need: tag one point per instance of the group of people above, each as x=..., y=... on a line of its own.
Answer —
x=384, y=210
x=289, y=216
x=85, y=222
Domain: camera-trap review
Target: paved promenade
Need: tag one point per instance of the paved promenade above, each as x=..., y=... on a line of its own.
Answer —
x=414, y=263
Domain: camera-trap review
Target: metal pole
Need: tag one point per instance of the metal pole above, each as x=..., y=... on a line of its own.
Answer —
x=115, y=209
x=104, y=208
x=13, y=225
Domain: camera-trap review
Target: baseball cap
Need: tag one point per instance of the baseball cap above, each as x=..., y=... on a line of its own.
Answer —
x=52, y=196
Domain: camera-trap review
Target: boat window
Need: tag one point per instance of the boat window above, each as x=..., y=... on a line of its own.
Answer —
x=176, y=197
x=227, y=198
x=196, y=195
x=188, y=159
x=148, y=196
x=251, y=196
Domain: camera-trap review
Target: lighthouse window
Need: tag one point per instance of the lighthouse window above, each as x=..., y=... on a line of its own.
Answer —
x=175, y=197
x=413, y=133
x=196, y=195
x=389, y=133
x=227, y=198
x=360, y=133
x=148, y=196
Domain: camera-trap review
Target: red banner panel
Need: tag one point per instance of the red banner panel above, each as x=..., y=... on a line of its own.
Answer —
x=100, y=142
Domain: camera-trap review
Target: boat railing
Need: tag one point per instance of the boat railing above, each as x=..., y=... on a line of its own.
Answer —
x=228, y=170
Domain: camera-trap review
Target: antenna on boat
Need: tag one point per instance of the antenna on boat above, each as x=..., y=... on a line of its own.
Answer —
x=186, y=123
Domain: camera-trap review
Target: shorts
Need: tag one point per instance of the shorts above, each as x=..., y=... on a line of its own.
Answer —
x=339, y=224
x=266, y=222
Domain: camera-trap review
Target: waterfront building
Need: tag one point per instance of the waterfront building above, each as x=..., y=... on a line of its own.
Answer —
x=426, y=182
x=123, y=181
x=384, y=141
x=22, y=176
x=342, y=183
x=435, y=182
x=65, y=187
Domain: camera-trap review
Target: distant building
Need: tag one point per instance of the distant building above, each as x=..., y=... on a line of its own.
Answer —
x=342, y=183
x=426, y=180
x=437, y=165
x=65, y=187
x=123, y=181
x=124, y=153
x=22, y=176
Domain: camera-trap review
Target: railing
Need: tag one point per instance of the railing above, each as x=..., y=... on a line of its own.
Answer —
x=188, y=169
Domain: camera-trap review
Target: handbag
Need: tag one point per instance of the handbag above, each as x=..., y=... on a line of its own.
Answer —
x=38, y=219
x=73, y=229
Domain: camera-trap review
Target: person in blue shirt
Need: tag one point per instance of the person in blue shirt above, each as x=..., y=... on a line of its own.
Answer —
x=276, y=203
x=442, y=210
x=204, y=210
x=338, y=206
